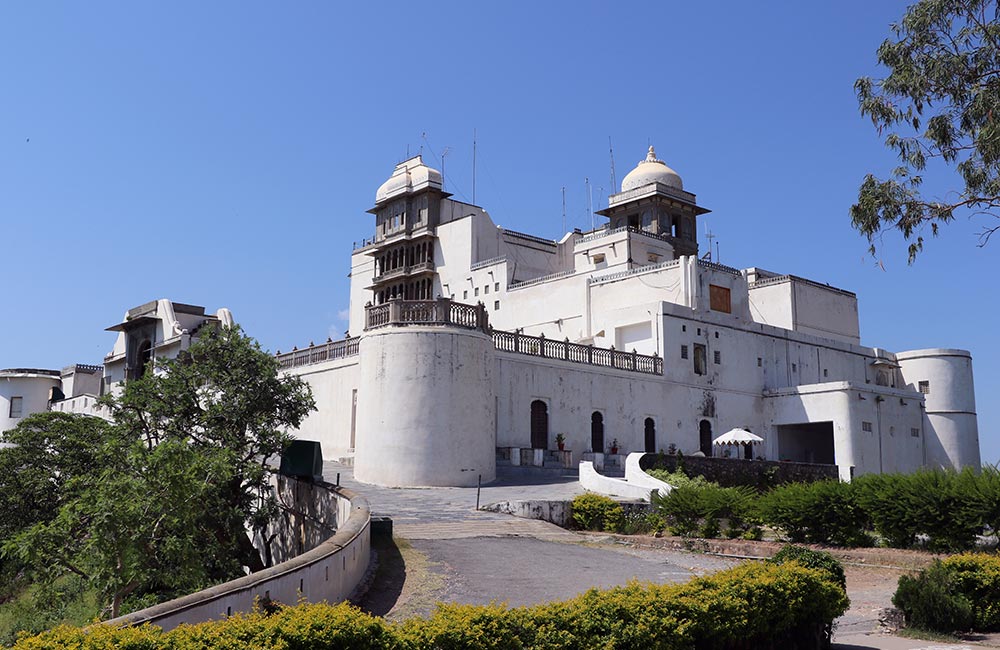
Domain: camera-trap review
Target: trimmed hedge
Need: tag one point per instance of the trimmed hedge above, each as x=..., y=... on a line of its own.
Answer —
x=935, y=509
x=758, y=605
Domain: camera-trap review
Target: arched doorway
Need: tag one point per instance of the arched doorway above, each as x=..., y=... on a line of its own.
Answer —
x=650, y=435
x=597, y=432
x=539, y=425
x=705, y=437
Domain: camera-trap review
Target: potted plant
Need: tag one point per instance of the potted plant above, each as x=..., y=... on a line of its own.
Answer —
x=561, y=441
x=614, y=446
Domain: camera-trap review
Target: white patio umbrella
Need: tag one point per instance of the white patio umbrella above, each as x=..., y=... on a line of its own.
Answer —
x=740, y=438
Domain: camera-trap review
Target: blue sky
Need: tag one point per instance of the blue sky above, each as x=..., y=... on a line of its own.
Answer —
x=224, y=153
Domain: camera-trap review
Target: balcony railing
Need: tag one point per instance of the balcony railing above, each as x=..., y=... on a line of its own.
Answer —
x=539, y=346
x=427, y=312
x=405, y=270
x=329, y=351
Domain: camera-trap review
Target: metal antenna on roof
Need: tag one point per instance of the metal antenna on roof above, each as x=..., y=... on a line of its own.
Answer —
x=444, y=152
x=710, y=237
x=590, y=201
x=473, y=166
x=564, y=208
x=611, y=150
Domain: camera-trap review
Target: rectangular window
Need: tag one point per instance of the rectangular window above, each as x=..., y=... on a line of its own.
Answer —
x=684, y=352
x=598, y=258
x=700, y=359
x=794, y=367
x=760, y=362
x=684, y=328
x=925, y=387
x=496, y=305
x=915, y=432
x=486, y=289
x=477, y=291
x=465, y=295
x=719, y=299
x=866, y=427
x=496, y=286
x=826, y=373
x=652, y=258
x=717, y=357
x=16, y=406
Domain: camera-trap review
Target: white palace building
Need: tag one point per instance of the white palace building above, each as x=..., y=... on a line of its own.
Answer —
x=470, y=342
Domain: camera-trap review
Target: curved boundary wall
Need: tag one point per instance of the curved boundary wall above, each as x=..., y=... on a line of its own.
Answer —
x=331, y=571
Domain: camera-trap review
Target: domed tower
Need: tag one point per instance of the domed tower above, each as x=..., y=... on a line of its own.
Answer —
x=951, y=432
x=653, y=201
x=407, y=210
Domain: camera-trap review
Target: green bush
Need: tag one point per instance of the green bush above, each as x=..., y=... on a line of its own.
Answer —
x=824, y=512
x=814, y=560
x=932, y=601
x=701, y=509
x=678, y=478
x=977, y=577
x=757, y=605
x=640, y=523
x=596, y=512
x=946, y=507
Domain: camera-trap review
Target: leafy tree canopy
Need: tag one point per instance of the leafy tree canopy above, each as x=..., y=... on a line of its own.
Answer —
x=158, y=502
x=940, y=100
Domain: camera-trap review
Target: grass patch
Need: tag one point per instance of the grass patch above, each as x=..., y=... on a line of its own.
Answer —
x=35, y=609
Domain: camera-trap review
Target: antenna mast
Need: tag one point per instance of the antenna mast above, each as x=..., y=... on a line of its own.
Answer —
x=710, y=237
x=444, y=152
x=564, y=208
x=590, y=201
x=614, y=181
x=473, y=166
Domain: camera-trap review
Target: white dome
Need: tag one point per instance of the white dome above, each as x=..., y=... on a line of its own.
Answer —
x=409, y=175
x=651, y=170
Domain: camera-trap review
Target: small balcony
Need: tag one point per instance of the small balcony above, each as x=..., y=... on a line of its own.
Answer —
x=403, y=271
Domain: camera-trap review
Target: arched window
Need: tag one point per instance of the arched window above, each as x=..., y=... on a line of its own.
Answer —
x=705, y=436
x=650, y=436
x=597, y=432
x=539, y=425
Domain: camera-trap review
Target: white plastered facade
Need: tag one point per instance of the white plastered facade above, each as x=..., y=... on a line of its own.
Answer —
x=776, y=354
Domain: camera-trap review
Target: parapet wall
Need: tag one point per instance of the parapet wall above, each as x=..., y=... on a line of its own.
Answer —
x=329, y=571
x=728, y=472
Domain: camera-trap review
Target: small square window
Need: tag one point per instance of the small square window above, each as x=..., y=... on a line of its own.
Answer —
x=760, y=362
x=717, y=357
x=684, y=352
x=496, y=304
x=496, y=286
x=915, y=432
x=924, y=387
x=16, y=406
x=866, y=427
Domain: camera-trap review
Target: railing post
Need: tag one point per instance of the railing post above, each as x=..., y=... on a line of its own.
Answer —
x=590, y=354
x=517, y=341
x=635, y=358
x=444, y=305
x=657, y=364
x=613, y=357
x=395, y=307
x=566, y=349
x=541, y=345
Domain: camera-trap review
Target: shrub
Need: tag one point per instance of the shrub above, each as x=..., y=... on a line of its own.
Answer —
x=977, y=577
x=753, y=605
x=824, y=512
x=596, y=512
x=814, y=560
x=701, y=509
x=678, y=478
x=638, y=523
x=931, y=600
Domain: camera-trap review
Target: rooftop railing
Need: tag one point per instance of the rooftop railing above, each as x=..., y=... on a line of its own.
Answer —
x=539, y=346
x=442, y=311
x=329, y=351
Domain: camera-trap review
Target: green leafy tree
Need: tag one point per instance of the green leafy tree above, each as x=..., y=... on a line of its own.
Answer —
x=162, y=505
x=940, y=100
